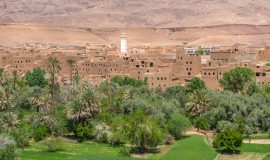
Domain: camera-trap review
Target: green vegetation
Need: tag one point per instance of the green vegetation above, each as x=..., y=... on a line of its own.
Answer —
x=259, y=148
x=267, y=157
x=73, y=151
x=195, y=84
x=189, y=148
x=125, y=115
x=237, y=79
x=36, y=77
x=228, y=141
x=259, y=136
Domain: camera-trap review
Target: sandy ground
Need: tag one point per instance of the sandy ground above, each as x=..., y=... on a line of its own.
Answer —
x=257, y=141
x=14, y=34
x=244, y=156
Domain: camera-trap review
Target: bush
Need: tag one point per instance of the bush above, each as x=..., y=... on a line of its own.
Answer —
x=247, y=132
x=169, y=139
x=142, y=131
x=125, y=152
x=117, y=138
x=195, y=84
x=8, y=153
x=40, y=133
x=228, y=141
x=22, y=139
x=102, y=138
x=177, y=125
x=226, y=125
x=52, y=143
x=84, y=132
x=268, y=133
x=201, y=123
x=7, y=148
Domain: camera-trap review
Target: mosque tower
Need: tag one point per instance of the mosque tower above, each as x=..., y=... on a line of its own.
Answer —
x=123, y=45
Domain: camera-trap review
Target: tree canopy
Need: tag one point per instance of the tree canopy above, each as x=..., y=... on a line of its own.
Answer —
x=237, y=79
x=36, y=77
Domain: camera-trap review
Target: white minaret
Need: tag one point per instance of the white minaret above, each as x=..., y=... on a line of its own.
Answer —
x=123, y=45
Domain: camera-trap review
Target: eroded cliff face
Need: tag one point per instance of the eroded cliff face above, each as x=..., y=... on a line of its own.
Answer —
x=135, y=13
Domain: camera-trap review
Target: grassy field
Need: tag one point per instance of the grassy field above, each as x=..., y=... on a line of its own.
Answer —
x=267, y=157
x=258, y=148
x=190, y=148
x=72, y=151
x=259, y=136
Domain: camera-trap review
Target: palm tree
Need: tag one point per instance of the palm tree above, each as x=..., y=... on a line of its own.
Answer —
x=89, y=101
x=53, y=69
x=15, y=78
x=76, y=111
x=80, y=83
x=40, y=100
x=9, y=121
x=3, y=101
x=47, y=120
x=71, y=63
x=129, y=93
x=198, y=104
x=83, y=108
x=1, y=74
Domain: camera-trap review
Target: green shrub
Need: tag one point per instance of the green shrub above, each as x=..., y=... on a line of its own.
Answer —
x=195, y=84
x=226, y=125
x=125, y=152
x=102, y=138
x=7, y=148
x=117, y=138
x=40, y=133
x=177, y=125
x=228, y=141
x=22, y=139
x=52, y=143
x=268, y=133
x=84, y=132
x=142, y=131
x=8, y=153
x=169, y=139
x=201, y=123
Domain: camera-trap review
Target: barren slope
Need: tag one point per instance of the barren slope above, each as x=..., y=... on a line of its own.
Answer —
x=14, y=34
x=135, y=13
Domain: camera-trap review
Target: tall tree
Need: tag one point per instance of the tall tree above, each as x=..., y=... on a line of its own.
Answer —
x=195, y=84
x=9, y=121
x=41, y=102
x=83, y=108
x=72, y=64
x=3, y=100
x=237, y=79
x=198, y=104
x=1, y=74
x=36, y=77
x=53, y=69
x=15, y=78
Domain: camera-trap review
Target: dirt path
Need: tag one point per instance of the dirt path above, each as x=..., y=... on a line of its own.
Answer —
x=257, y=141
x=243, y=156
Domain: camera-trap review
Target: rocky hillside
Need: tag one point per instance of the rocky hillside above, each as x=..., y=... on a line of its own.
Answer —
x=135, y=13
